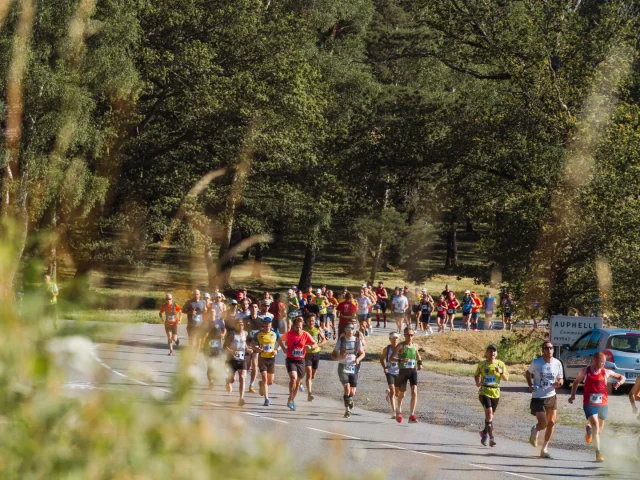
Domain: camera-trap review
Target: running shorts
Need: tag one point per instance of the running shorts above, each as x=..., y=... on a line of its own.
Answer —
x=363, y=317
x=236, y=365
x=591, y=410
x=425, y=318
x=391, y=379
x=267, y=365
x=171, y=328
x=541, y=405
x=488, y=402
x=295, y=366
x=312, y=360
x=193, y=327
x=407, y=375
x=348, y=378
x=383, y=305
x=475, y=315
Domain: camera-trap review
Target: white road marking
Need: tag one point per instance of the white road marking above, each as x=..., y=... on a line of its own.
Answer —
x=502, y=471
x=481, y=466
x=393, y=446
x=332, y=433
x=266, y=418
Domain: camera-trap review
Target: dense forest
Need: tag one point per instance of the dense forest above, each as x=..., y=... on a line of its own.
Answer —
x=222, y=126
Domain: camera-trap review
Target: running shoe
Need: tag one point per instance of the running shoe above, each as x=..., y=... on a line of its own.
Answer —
x=492, y=442
x=413, y=419
x=544, y=454
x=378, y=325
x=599, y=457
x=588, y=436
x=310, y=398
x=351, y=404
x=399, y=418
x=261, y=388
x=292, y=406
x=533, y=438
x=347, y=414
x=252, y=389
x=178, y=342
x=302, y=388
x=266, y=402
x=229, y=387
x=483, y=438
x=241, y=402
x=393, y=416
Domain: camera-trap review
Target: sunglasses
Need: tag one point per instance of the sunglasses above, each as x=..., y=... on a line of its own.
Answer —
x=547, y=348
x=408, y=334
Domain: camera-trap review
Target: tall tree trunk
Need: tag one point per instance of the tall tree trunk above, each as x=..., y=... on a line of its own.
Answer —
x=257, y=264
x=452, y=247
x=247, y=254
x=212, y=272
x=376, y=258
x=469, y=228
x=307, y=268
x=19, y=239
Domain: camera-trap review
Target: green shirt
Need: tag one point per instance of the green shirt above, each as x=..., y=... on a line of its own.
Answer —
x=490, y=377
x=313, y=331
x=409, y=356
x=321, y=302
x=294, y=304
x=52, y=289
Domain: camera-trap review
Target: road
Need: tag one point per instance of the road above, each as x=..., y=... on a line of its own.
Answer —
x=136, y=358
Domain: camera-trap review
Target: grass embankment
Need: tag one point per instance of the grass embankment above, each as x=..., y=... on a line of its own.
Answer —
x=457, y=353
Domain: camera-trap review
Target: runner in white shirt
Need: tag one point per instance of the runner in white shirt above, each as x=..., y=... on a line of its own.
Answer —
x=400, y=306
x=544, y=376
x=364, y=302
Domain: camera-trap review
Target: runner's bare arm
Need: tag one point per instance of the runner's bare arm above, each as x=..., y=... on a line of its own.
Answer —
x=621, y=378
x=396, y=352
x=361, y=356
x=527, y=375
x=505, y=374
x=576, y=383
x=634, y=395
x=383, y=359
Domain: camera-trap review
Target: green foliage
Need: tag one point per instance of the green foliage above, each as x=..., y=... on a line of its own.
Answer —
x=520, y=346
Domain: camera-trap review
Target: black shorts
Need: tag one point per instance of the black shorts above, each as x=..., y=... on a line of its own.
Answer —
x=391, y=379
x=350, y=378
x=236, y=365
x=542, y=405
x=425, y=317
x=383, y=305
x=194, y=327
x=267, y=365
x=451, y=311
x=488, y=402
x=407, y=375
x=294, y=365
x=312, y=360
x=415, y=308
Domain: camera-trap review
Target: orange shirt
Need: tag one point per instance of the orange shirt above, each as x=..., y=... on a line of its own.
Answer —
x=170, y=310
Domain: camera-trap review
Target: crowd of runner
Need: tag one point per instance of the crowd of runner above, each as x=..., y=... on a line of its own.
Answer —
x=249, y=332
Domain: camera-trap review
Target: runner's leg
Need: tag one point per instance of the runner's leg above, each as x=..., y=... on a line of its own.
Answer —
x=551, y=422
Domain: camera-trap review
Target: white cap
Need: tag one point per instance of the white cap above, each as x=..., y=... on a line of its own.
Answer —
x=467, y=291
x=318, y=290
x=394, y=335
x=290, y=290
x=424, y=290
x=217, y=295
x=207, y=295
x=364, y=285
x=168, y=296
x=234, y=302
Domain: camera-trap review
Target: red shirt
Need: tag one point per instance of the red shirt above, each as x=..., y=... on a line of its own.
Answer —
x=595, y=388
x=278, y=310
x=477, y=303
x=346, y=309
x=452, y=304
x=381, y=293
x=441, y=307
x=296, y=344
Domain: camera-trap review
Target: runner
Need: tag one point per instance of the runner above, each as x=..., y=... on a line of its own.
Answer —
x=489, y=304
x=400, y=307
x=364, y=302
x=467, y=304
x=441, y=309
x=373, y=298
x=312, y=358
x=475, y=311
x=332, y=304
x=267, y=346
x=292, y=302
x=322, y=302
x=426, y=307
x=238, y=355
x=308, y=295
x=254, y=325
x=266, y=299
x=507, y=311
x=51, y=303
x=416, y=309
x=634, y=396
x=406, y=353
x=596, y=397
x=488, y=376
x=207, y=320
x=212, y=351
x=218, y=293
x=278, y=311
x=381, y=305
x=452, y=305
x=391, y=370
x=544, y=376
x=445, y=292
x=346, y=312
x=172, y=317
x=295, y=343
x=410, y=301
x=218, y=305
x=230, y=316
x=349, y=351
x=195, y=309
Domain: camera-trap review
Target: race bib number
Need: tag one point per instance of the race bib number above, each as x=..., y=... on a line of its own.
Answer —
x=239, y=356
x=197, y=318
x=297, y=352
x=329, y=309
x=215, y=344
x=393, y=366
x=545, y=383
x=595, y=398
x=451, y=311
x=409, y=364
x=349, y=368
x=490, y=380
x=426, y=308
x=268, y=348
x=171, y=318
x=294, y=314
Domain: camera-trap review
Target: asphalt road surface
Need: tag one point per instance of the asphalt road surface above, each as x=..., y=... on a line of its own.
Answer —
x=369, y=442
